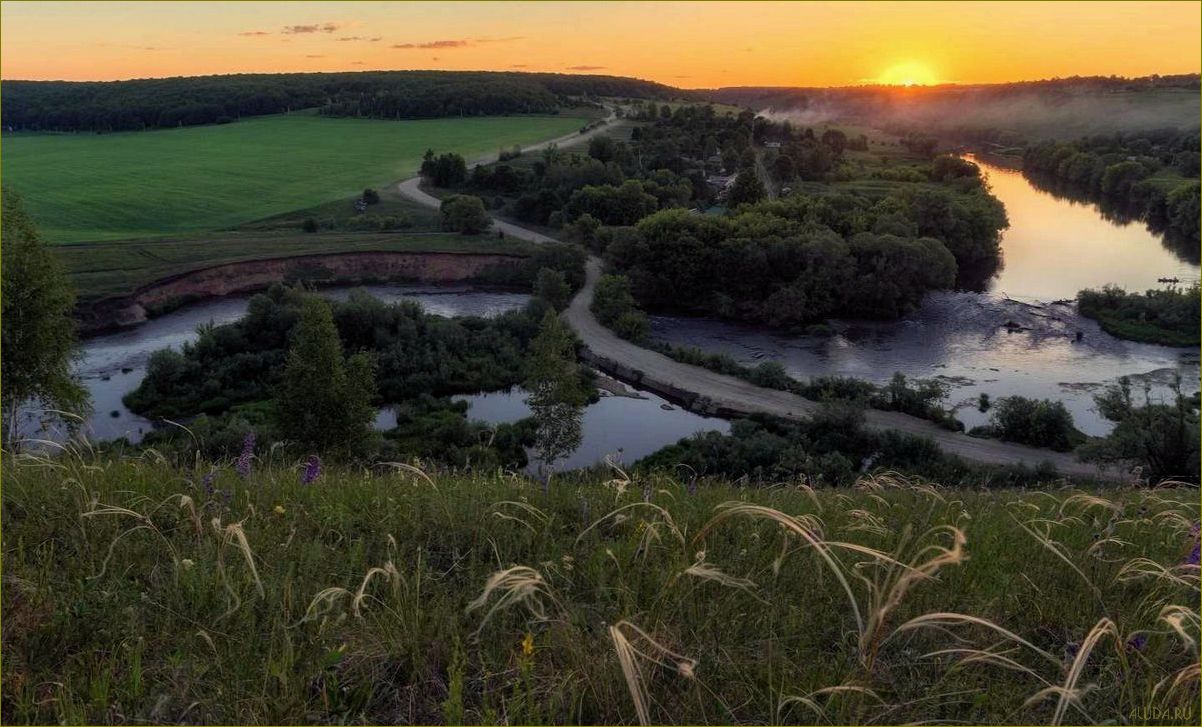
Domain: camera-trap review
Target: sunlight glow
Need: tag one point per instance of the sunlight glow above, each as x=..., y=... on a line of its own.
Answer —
x=908, y=73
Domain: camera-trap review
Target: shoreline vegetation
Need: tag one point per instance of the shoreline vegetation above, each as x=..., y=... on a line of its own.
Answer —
x=1169, y=317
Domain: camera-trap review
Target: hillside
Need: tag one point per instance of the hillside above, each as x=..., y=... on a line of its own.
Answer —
x=268, y=591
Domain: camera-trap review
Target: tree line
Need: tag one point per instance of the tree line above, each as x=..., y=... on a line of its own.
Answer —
x=106, y=106
x=1153, y=174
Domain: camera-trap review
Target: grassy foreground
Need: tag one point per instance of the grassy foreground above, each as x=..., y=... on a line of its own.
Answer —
x=137, y=592
x=89, y=187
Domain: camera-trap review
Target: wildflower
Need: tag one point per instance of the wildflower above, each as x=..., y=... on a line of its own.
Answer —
x=206, y=482
x=187, y=563
x=1137, y=642
x=528, y=645
x=279, y=509
x=311, y=471
x=242, y=465
x=1070, y=650
x=685, y=668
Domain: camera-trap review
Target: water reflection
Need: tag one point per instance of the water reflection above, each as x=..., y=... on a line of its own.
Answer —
x=623, y=428
x=1057, y=245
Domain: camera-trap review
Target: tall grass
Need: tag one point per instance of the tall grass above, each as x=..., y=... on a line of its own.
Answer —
x=135, y=591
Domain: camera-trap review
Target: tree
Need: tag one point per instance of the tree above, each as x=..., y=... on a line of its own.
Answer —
x=465, y=214
x=371, y=196
x=38, y=332
x=747, y=189
x=324, y=400
x=551, y=286
x=1161, y=437
x=556, y=395
x=444, y=170
x=835, y=139
x=1037, y=422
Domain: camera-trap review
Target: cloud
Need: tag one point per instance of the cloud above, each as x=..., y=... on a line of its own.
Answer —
x=255, y=32
x=585, y=68
x=681, y=76
x=519, y=65
x=434, y=44
x=315, y=56
x=315, y=28
x=359, y=37
x=357, y=63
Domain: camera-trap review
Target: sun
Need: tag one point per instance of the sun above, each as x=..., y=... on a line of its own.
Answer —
x=908, y=73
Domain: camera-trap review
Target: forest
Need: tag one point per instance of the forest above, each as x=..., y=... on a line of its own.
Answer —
x=172, y=102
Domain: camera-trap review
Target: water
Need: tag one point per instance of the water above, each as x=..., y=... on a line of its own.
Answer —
x=1053, y=248
x=113, y=365
x=606, y=426
x=1057, y=245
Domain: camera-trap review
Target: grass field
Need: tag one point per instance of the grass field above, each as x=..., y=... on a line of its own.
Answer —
x=146, y=184
x=139, y=592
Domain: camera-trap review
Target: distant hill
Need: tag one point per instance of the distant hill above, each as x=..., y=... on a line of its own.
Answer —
x=188, y=101
x=1002, y=113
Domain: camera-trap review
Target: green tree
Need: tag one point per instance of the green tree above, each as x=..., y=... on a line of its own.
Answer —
x=324, y=400
x=1037, y=422
x=556, y=395
x=464, y=213
x=38, y=331
x=1161, y=437
x=551, y=286
x=747, y=189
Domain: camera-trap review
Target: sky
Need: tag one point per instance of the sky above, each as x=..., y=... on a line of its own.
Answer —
x=685, y=44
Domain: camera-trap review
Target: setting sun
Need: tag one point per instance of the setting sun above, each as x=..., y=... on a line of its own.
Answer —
x=910, y=73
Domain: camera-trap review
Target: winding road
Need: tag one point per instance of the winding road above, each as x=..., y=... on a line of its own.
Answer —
x=620, y=358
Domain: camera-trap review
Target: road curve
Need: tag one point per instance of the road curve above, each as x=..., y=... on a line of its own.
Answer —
x=736, y=395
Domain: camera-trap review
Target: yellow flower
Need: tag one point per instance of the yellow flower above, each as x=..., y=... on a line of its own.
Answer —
x=279, y=509
x=187, y=563
x=528, y=644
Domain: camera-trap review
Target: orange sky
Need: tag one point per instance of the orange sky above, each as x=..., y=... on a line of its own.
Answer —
x=688, y=44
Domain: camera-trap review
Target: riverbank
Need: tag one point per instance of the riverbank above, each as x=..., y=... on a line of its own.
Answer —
x=346, y=267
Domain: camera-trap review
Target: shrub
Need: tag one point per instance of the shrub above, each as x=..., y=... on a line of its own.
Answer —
x=464, y=214
x=1037, y=422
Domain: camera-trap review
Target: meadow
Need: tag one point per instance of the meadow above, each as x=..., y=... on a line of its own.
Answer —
x=233, y=592
x=103, y=187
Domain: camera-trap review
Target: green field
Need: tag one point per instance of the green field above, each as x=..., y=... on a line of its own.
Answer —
x=81, y=187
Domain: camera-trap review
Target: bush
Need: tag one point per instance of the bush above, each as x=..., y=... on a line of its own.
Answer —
x=371, y=196
x=1037, y=422
x=615, y=307
x=464, y=214
x=310, y=225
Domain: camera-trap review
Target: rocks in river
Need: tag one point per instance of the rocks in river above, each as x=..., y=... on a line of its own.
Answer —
x=667, y=407
x=1013, y=327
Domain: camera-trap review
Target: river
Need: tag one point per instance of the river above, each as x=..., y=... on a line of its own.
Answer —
x=1053, y=248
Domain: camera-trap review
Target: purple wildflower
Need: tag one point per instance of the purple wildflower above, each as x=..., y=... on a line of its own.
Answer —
x=311, y=470
x=1193, y=557
x=242, y=465
x=206, y=482
x=1137, y=642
